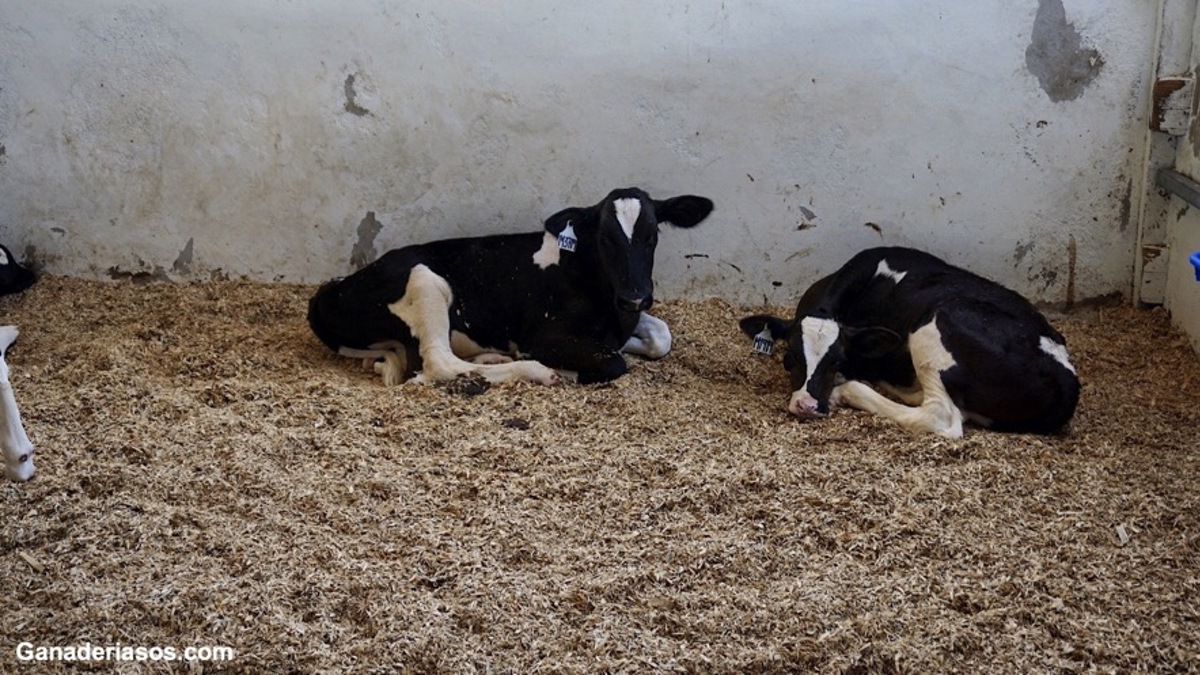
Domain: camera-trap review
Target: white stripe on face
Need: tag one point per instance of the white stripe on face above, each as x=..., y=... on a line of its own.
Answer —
x=819, y=336
x=628, y=211
x=887, y=272
x=1057, y=352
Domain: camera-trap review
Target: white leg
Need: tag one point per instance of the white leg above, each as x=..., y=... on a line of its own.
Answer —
x=425, y=308
x=907, y=395
x=395, y=362
x=466, y=348
x=651, y=338
x=937, y=413
x=392, y=368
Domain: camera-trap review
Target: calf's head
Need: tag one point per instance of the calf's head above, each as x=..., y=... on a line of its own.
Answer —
x=14, y=444
x=617, y=237
x=819, y=349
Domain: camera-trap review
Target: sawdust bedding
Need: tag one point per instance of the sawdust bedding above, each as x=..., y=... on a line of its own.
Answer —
x=208, y=474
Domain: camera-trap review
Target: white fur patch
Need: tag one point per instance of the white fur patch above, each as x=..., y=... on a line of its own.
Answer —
x=628, y=211
x=548, y=254
x=818, y=335
x=887, y=272
x=1057, y=352
x=3, y=257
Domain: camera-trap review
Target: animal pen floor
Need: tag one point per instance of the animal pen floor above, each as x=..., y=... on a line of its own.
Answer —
x=208, y=474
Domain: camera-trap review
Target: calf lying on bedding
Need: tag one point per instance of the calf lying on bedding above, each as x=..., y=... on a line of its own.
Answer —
x=572, y=296
x=946, y=342
x=14, y=444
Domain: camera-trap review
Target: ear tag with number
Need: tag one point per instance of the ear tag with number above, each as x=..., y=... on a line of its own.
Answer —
x=764, y=343
x=566, y=239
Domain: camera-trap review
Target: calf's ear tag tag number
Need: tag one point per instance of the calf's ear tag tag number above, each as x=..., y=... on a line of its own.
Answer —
x=764, y=343
x=566, y=239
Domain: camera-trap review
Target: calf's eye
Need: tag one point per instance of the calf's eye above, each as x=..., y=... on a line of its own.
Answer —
x=23, y=458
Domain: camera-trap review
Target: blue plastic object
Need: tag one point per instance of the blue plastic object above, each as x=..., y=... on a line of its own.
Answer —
x=1196, y=263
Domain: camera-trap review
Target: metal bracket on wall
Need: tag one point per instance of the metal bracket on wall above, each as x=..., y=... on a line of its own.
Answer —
x=1179, y=185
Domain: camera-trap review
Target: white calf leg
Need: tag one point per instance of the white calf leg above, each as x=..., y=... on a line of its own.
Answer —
x=394, y=365
x=907, y=395
x=651, y=338
x=425, y=308
x=466, y=348
x=937, y=413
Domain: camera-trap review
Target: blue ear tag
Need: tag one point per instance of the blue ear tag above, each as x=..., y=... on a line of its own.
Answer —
x=764, y=343
x=567, y=240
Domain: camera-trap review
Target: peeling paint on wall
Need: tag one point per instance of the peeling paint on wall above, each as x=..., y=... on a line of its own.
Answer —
x=1126, y=205
x=351, y=106
x=1021, y=251
x=1056, y=56
x=364, y=252
x=146, y=274
x=1194, y=130
x=183, y=263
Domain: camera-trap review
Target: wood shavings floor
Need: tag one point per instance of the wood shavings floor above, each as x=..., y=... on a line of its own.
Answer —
x=208, y=474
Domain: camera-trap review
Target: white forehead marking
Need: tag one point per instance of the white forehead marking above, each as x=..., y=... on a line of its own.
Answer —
x=628, y=210
x=1057, y=352
x=818, y=335
x=884, y=271
x=548, y=254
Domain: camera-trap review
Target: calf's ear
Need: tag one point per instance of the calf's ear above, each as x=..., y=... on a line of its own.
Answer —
x=753, y=325
x=684, y=211
x=556, y=223
x=871, y=342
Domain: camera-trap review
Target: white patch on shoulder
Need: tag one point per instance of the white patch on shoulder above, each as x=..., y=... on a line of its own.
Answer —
x=1057, y=352
x=818, y=335
x=628, y=211
x=887, y=272
x=548, y=254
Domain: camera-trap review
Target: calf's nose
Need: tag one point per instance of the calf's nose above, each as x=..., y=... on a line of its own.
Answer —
x=804, y=406
x=20, y=471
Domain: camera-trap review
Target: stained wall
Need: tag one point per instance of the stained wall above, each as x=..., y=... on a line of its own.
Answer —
x=294, y=141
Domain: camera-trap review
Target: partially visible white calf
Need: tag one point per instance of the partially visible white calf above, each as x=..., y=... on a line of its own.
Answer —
x=14, y=444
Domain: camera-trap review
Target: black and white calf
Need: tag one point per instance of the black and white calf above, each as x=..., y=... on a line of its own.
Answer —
x=572, y=297
x=947, y=343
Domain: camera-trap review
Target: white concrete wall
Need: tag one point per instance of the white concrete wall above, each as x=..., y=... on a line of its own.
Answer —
x=1183, y=221
x=246, y=137
x=1183, y=290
